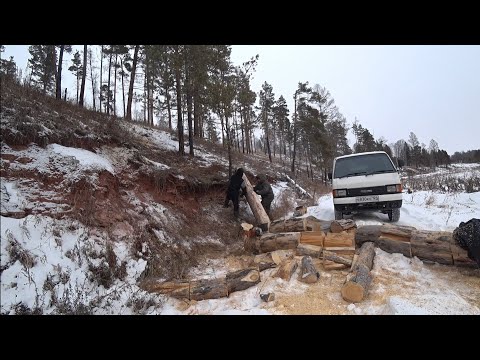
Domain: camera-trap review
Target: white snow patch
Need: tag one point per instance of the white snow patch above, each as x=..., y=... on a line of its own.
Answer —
x=85, y=158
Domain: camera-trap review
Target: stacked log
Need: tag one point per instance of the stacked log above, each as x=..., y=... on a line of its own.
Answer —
x=205, y=288
x=271, y=242
x=309, y=223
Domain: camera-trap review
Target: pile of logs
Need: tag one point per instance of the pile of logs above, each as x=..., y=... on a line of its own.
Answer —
x=331, y=242
x=430, y=246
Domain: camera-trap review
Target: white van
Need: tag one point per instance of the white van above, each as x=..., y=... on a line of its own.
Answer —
x=366, y=181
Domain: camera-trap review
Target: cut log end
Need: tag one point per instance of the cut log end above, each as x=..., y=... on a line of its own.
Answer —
x=352, y=292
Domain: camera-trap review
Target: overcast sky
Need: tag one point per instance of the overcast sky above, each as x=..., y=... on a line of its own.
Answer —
x=433, y=91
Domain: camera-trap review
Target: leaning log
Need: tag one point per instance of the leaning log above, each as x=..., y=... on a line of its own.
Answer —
x=358, y=281
x=308, y=272
x=263, y=221
x=242, y=279
x=286, y=269
x=272, y=242
x=311, y=250
x=341, y=225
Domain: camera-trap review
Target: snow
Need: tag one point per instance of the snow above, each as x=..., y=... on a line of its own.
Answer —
x=85, y=158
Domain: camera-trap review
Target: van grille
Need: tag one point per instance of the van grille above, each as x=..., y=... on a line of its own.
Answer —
x=375, y=190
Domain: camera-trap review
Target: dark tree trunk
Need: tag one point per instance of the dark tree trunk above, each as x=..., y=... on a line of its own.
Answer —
x=115, y=87
x=189, y=110
x=84, y=76
x=58, y=89
x=101, y=71
x=294, y=137
x=196, y=111
x=93, y=83
x=169, y=109
x=123, y=87
x=132, y=80
x=108, y=88
x=181, y=144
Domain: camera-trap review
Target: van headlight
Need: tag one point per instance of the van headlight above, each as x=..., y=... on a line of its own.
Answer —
x=339, y=193
x=394, y=188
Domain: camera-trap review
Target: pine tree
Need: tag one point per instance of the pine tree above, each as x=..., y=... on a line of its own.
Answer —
x=43, y=66
x=77, y=69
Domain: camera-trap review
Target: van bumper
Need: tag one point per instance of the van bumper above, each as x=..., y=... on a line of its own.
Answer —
x=386, y=202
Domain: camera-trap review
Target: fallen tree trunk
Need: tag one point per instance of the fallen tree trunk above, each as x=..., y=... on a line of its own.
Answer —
x=263, y=221
x=205, y=288
x=299, y=189
x=242, y=279
x=286, y=269
x=308, y=272
x=208, y=289
x=338, y=226
x=311, y=250
x=358, y=281
x=389, y=238
x=176, y=289
x=432, y=246
x=272, y=242
x=374, y=232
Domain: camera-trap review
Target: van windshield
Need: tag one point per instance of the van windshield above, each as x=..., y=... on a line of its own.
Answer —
x=363, y=165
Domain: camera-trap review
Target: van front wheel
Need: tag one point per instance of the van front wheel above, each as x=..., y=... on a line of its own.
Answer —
x=394, y=215
x=338, y=215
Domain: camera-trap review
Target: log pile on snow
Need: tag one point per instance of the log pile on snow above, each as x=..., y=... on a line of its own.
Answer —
x=430, y=246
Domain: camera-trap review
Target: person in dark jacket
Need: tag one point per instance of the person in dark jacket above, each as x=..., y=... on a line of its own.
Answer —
x=467, y=236
x=264, y=189
x=235, y=185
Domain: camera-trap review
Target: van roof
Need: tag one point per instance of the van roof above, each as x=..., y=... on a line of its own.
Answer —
x=363, y=153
